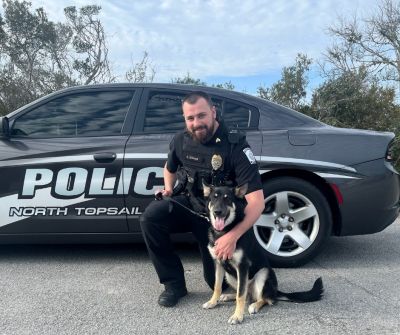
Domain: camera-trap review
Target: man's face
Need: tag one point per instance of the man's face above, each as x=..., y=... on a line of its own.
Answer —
x=200, y=120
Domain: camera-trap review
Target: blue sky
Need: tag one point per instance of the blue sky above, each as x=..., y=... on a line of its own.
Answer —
x=247, y=42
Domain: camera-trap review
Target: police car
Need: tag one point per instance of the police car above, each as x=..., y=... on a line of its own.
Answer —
x=80, y=165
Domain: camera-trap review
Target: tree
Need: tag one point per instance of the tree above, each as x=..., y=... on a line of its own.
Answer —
x=188, y=80
x=138, y=71
x=38, y=56
x=23, y=52
x=88, y=39
x=356, y=100
x=290, y=90
x=226, y=86
x=371, y=40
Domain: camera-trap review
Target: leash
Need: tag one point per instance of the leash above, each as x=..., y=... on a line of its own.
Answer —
x=159, y=196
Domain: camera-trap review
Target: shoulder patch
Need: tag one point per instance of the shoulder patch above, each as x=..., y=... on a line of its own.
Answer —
x=250, y=155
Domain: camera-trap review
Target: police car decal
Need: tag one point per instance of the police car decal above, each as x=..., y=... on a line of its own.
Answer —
x=44, y=192
x=250, y=155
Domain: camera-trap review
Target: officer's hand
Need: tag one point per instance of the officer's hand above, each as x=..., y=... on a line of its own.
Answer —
x=226, y=246
x=166, y=193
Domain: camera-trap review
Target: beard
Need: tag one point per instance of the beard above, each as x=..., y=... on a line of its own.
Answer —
x=203, y=137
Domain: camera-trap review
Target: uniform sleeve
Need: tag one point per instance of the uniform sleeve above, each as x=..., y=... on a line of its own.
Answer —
x=246, y=167
x=173, y=160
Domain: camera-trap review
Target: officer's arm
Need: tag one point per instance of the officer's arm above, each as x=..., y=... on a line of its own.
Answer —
x=169, y=179
x=169, y=182
x=245, y=167
x=226, y=244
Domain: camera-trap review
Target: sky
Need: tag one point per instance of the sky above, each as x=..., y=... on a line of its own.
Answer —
x=247, y=42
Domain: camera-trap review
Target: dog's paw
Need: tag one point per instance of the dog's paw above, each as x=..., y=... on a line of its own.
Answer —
x=235, y=319
x=227, y=297
x=209, y=305
x=253, y=309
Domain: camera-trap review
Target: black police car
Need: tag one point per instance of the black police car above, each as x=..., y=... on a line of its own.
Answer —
x=80, y=165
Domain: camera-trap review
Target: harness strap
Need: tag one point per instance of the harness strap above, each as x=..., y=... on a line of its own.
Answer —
x=202, y=215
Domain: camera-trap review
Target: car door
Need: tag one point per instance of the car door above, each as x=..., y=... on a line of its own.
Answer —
x=158, y=118
x=61, y=169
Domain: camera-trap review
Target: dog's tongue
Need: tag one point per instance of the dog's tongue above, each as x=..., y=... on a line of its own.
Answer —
x=219, y=223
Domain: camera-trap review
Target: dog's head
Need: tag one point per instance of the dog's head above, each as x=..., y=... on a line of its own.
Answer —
x=223, y=203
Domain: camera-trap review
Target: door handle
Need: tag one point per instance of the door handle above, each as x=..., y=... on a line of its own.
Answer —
x=105, y=157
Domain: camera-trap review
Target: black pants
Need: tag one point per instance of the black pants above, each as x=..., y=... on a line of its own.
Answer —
x=160, y=220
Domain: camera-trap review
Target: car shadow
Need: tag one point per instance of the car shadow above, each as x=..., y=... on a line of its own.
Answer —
x=77, y=252
x=340, y=252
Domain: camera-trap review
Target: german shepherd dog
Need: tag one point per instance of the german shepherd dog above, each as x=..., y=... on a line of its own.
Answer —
x=248, y=272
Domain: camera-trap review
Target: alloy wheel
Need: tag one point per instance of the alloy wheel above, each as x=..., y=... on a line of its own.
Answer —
x=289, y=224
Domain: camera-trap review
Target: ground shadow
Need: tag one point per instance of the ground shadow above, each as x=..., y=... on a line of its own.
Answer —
x=128, y=252
x=352, y=251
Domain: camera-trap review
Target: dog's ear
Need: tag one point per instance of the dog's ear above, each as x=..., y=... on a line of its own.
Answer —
x=206, y=189
x=241, y=190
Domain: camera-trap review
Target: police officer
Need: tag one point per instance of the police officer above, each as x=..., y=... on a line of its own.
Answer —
x=205, y=150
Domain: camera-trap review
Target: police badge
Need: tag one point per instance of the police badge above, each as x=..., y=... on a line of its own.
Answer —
x=216, y=162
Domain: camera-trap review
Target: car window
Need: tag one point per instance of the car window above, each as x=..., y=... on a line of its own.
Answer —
x=83, y=114
x=164, y=112
x=236, y=115
x=274, y=116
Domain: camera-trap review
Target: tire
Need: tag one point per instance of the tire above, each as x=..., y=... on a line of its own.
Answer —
x=298, y=236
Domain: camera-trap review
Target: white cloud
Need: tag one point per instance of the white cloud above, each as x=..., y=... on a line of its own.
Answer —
x=212, y=37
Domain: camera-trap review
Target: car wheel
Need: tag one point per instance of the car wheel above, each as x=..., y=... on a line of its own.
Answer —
x=296, y=221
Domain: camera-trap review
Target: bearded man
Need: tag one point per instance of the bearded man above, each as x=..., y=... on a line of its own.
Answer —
x=206, y=150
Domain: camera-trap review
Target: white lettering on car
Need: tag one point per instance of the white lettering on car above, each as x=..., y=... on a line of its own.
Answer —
x=34, y=178
x=79, y=211
x=96, y=184
x=35, y=211
x=72, y=182
x=143, y=178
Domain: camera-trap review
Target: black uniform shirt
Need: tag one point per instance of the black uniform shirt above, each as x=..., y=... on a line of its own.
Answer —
x=245, y=167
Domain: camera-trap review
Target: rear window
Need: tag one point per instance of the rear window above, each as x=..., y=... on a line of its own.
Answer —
x=236, y=115
x=275, y=116
x=164, y=112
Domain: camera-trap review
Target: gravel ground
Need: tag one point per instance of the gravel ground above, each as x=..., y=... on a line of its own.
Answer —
x=113, y=289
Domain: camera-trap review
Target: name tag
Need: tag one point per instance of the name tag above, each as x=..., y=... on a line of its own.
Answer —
x=194, y=158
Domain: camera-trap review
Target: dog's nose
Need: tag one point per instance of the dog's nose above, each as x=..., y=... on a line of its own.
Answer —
x=217, y=213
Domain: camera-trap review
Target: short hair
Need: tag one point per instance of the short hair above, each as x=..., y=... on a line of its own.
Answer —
x=194, y=96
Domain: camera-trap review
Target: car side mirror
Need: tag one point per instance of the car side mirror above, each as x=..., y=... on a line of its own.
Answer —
x=4, y=127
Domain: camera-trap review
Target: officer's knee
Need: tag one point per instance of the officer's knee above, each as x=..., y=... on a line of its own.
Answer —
x=147, y=227
x=157, y=210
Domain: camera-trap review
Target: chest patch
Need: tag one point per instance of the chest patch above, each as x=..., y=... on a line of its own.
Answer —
x=250, y=155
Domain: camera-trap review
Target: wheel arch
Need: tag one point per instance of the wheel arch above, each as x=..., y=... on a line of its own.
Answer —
x=319, y=183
